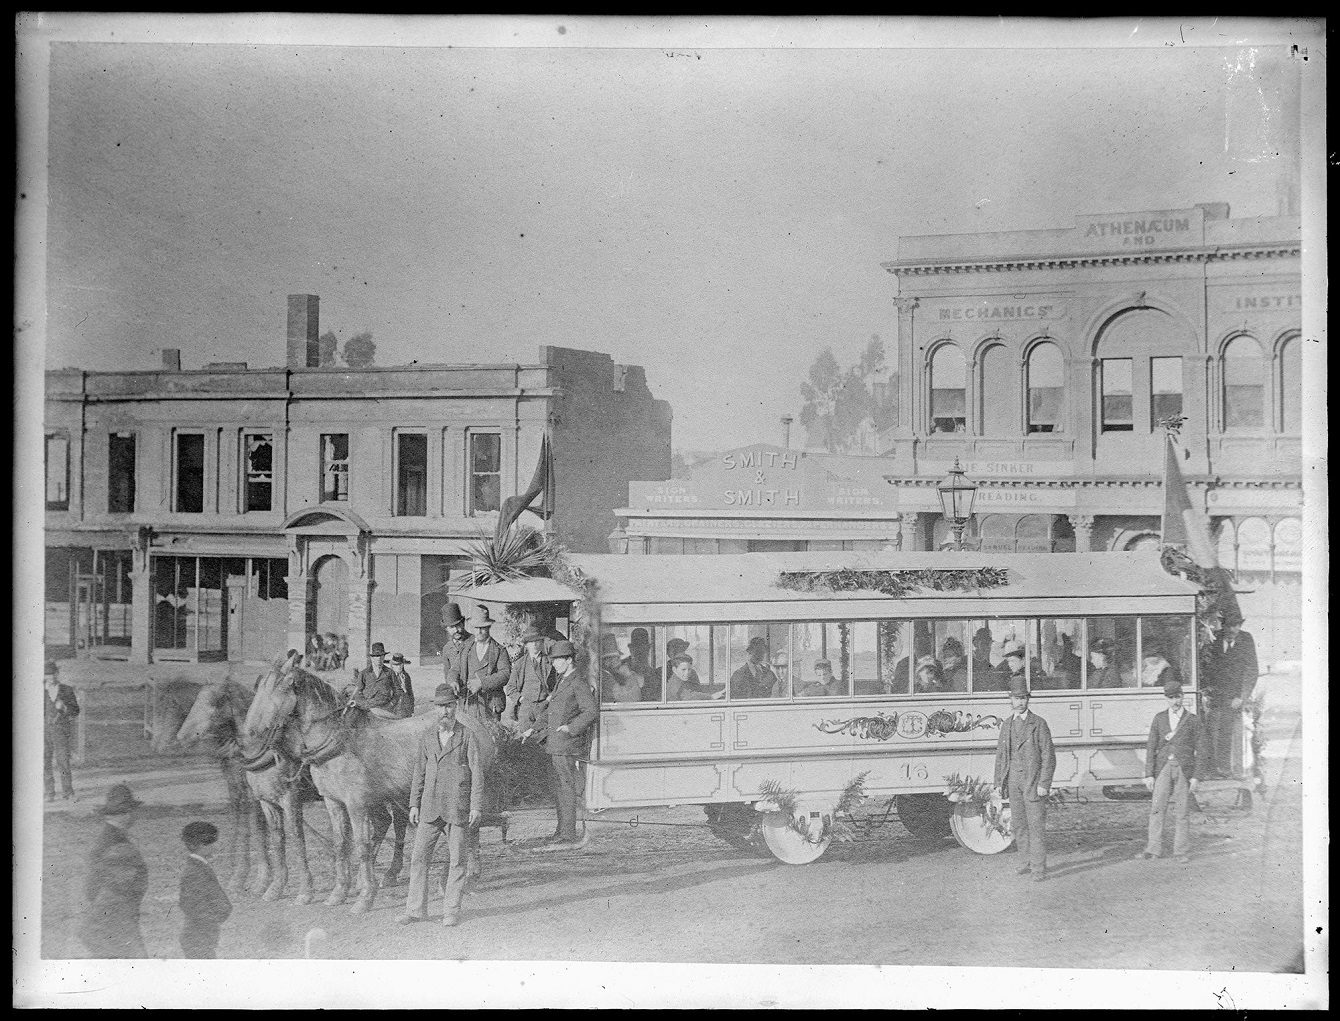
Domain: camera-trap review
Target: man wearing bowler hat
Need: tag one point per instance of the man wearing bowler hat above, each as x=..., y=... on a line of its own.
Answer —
x=115, y=882
x=571, y=712
x=1177, y=754
x=60, y=707
x=446, y=800
x=375, y=687
x=1025, y=765
x=458, y=640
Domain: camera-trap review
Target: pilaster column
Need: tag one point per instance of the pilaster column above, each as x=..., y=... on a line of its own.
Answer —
x=360, y=621
x=1083, y=526
x=907, y=531
x=141, y=599
x=299, y=597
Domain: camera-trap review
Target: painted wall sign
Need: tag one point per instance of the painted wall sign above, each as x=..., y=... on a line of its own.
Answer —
x=997, y=313
x=809, y=527
x=1260, y=302
x=1164, y=228
x=988, y=499
x=1000, y=469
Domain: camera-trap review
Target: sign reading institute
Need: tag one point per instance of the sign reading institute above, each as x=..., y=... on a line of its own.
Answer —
x=768, y=481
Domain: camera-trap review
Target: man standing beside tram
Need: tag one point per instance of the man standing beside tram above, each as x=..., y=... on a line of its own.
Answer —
x=571, y=711
x=1025, y=765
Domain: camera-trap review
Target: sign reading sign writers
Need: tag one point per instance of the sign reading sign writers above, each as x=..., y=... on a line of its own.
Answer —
x=770, y=481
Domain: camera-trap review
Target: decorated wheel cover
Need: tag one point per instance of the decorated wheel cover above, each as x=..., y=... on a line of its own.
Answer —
x=790, y=846
x=973, y=827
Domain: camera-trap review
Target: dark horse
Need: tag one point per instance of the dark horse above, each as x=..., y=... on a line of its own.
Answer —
x=362, y=770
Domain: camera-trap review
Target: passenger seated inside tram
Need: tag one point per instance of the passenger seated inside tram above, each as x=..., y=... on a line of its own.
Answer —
x=1103, y=672
x=1010, y=668
x=981, y=654
x=755, y=678
x=930, y=678
x=683, y=684
x=617, y=682
x=824, y=685
x=1157, y=671
x=639, y=662
x=781, y=667
x=954, y=665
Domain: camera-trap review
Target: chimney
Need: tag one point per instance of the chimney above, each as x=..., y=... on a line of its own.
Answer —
x=304, y=347
x=171, y=359
x=1214, y=210
x=786, y=431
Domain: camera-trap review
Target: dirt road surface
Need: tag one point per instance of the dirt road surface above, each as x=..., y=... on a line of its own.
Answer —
x=667, y=890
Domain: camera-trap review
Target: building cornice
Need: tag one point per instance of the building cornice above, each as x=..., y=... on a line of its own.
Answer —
x=1010, y=263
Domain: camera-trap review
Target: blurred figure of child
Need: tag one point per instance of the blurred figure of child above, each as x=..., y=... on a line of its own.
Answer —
x=200, y=897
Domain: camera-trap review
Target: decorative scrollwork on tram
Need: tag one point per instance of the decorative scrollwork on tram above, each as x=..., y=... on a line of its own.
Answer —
x=878, y=728
x=943, y=722
x=883, y=726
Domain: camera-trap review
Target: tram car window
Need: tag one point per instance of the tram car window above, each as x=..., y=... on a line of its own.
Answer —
x=752, y=650
x=821, y=660
x=1056, y=664
x=1110, y=653
x=1166, y=645
x=629, y=668
x=1000, y=651
x=694, y=662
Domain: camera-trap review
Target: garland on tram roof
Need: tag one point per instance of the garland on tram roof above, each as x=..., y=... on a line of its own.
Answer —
x=836, y=825
x=896, y=584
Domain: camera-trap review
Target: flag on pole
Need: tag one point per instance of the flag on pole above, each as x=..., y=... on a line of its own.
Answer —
x=1186, y=527
x=541, y=484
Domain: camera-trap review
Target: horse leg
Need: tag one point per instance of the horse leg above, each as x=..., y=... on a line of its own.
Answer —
x=382, y=819
x=361, y=817
x=239, y=841
x=340, y=839
x=293, y=816
x=270, y=881
x=400, y=822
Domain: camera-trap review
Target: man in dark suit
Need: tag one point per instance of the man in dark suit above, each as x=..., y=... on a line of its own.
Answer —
x=60, y=708
x=531, y=680
x=375, y=687
x=481, y=671
x=1175, y=757
x=116, y=880
x=572, y=710
x=404, y=706
x=199, y=895
x=1231, y=669
x=1025, y=765
x=458, y=640
x=446, y=800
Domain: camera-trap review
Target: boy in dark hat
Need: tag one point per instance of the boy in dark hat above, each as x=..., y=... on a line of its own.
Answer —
x=60, y=708
x=1176, y=756
x=115, y=883
x=1025, y=765
x=200, y=896
x=404, y=707
x=375, y=687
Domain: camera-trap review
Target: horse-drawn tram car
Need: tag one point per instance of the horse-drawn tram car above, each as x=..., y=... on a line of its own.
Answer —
x=764, y=686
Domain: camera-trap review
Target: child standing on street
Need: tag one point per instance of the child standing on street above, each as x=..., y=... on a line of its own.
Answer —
x=201, y=898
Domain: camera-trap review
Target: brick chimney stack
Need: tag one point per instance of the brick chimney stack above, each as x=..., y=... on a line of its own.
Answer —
x=171, y=359
x=304, y=346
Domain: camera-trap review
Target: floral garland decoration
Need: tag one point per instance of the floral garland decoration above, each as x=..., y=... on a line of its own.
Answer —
x=976, y=791
x=896, y=584
x=834, y=825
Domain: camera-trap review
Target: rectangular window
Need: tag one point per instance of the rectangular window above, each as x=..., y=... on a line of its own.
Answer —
x=335, y=466
x=269, y=577
x=756, y=652
x=485, y=472
x=821, y=660
x=999, y=653
x=630, y=669
x=58, y=472
x=258, y=465
x=411, y=474
x=190, y=473
x=121, y=473
x=696, y=656
x=1110, y=652
x=1165, y=390
x=1167, y=647
x=1118, y=395
x=1056, y=664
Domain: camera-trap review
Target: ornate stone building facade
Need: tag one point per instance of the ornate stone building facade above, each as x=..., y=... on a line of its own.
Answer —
x=227, y=513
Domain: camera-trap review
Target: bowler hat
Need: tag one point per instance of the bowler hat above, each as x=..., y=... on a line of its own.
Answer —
x=532, y=636
x=398, y=657
x=822, y=662
x=757, y=643
x=675, y=646
x=479, y=617
x=563, y=650
x=1171, y=689
x=119, y=801
x=444, y=694
x=378, y=649
x=609, y=646
x=1019, y=686
x=199, y=833
x=451, y=614
x=49, y=670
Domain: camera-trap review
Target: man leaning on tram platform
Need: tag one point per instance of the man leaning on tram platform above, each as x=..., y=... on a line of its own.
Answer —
x=571, y=711
x=1025, y=765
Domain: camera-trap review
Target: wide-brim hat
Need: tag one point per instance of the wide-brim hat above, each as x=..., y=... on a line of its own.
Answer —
x=1013, y=649
x=1019, y=686
x=928, y=661
x=1171, y=689
x=532, y=636
x=398, y=658
x=445, y=694
x=119, y=801
x=480, y=617
x=378, y=649
x=563, y=650
x=451, y=614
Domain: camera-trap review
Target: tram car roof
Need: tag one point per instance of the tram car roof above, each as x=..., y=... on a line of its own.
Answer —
x=748, y=586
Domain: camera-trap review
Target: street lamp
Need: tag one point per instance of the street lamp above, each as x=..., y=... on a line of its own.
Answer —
x=956, y=495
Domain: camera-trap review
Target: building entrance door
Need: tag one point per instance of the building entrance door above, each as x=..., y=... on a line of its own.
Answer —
x=330, y=597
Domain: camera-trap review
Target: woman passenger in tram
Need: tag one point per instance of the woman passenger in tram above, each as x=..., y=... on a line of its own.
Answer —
x=1103, y=672
x=683, y=684
x=930, y=678
x=617, y=682
x=954, y=665
x=1157, y=671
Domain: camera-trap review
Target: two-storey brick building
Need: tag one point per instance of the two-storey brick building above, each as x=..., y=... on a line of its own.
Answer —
x=227, y=513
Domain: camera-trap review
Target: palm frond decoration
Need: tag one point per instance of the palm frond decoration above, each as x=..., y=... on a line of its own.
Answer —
x=520, y=552
x=836, y=824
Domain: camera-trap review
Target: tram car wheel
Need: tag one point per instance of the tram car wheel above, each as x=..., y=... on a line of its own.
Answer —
x=737, y=825
x=925, y=816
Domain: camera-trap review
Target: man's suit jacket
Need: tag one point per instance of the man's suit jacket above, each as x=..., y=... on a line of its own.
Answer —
x=448, y=781
x=1026, y=746
x=376, y=690
x=59, y=715
x=529, y=685
x=1232, y=673
x=115, y=884
x=202, y=901
x=404, y=705
x=573, y=703
x=492, y=669
x=1190, y=744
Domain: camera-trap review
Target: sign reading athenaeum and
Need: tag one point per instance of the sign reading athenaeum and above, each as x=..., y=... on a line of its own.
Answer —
x=1162, y=228
x=768, y=481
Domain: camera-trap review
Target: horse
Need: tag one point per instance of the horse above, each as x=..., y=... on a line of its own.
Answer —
x=362, y=772
x=264, y=796
x=171, y=703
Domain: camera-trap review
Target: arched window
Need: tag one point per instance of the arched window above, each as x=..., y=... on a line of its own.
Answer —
x=1291, y=386
x=997, y=409
x=1244, y=384
x=997, y=532
x=1033, y=534
x=948, y=395
x=1046, y=389
x=1145, y=541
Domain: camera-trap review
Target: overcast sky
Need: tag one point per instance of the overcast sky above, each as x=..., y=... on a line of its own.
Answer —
x=716, y=215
